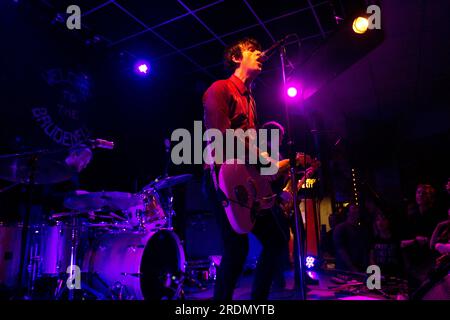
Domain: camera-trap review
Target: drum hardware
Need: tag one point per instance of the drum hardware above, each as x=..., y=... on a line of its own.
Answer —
x=149, y=215
x=135, y=247
x=166, y=183
x=174, y=283
x=196, y=279
x=73, y=258
x=136, y=275
x=158, y=261
x=119, y=291
x=31, y=168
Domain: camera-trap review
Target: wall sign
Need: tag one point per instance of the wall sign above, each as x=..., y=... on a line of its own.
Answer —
x=61, y=117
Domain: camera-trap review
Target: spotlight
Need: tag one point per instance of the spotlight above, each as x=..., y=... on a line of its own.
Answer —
x=360, y=25
x=310, y=262
x=142, y=68
x=292, y=92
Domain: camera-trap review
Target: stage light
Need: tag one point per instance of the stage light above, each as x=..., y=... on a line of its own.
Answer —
x=313, y=275
x=142, y=68
x=310, y=262
x=292, y=92
x=360, y=25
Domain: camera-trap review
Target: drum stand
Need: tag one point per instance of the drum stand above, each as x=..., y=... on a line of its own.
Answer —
x=73, y=270
x=26, y=276
x=170, y=211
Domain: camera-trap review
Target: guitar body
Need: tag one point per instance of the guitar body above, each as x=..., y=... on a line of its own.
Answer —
x=247, y=192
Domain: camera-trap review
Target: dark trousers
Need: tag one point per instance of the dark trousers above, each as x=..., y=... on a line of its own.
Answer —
x=269, y=231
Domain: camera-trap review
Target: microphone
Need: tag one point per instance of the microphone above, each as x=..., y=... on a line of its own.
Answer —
x=265, y=54
x=337, y=141
x=167, y=144
x=102, y=144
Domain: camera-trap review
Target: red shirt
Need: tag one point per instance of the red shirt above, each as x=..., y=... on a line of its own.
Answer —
x=229, y=104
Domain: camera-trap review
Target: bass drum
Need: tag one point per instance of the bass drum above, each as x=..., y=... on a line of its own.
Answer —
x=136, y=266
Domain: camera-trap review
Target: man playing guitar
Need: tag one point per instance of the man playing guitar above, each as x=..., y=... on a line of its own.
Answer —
x=229, y=104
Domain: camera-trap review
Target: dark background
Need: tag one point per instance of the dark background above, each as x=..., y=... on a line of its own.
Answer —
x=378, y=102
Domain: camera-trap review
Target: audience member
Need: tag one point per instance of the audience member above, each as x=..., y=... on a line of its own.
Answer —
x=385, y=248
x=351, y=242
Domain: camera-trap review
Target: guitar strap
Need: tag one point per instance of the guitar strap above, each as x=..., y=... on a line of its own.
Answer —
x=219, y=193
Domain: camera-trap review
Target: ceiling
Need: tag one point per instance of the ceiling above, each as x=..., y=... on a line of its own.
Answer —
x=406, y=78
x=410, y=70
x=192, y=34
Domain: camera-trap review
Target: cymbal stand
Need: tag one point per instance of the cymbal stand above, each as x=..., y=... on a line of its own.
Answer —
x=170, y=211
x=9, y=187
x=25, y=280
x=72, y=269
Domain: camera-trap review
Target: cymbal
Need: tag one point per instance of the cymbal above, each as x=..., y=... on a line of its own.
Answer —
x=60, y=215
x=44, y=170
x=114, y=200
x=87, y=214
x=169, y=182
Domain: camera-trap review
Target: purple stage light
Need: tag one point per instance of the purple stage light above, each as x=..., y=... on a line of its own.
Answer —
x=310, y=262
x=142, y=68
x=292, y=92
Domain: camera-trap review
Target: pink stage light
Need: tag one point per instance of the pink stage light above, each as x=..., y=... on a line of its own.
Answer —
x=292, y=92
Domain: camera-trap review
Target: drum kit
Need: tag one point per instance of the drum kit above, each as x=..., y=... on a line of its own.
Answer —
x=122, y=244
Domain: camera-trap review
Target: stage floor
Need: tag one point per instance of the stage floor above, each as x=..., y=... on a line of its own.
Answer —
x=326, y=288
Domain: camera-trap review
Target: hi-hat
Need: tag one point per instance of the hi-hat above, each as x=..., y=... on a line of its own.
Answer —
x=168, y=182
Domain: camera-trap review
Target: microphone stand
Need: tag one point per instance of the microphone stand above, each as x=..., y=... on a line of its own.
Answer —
x=299, y=227
x=169, y=195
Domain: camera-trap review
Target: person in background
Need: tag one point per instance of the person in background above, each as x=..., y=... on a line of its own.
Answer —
x=440, y=247
x=334, y=219
x=351, y=242
x=279, y=280
x=440, y=239
x=422, y=218
x=79, y=158
x=385, y=249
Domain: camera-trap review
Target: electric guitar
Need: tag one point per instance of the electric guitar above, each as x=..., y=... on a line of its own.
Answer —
x=248, y=192
x=287, y=197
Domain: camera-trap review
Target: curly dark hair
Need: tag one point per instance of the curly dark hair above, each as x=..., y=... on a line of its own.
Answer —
x=234, y=50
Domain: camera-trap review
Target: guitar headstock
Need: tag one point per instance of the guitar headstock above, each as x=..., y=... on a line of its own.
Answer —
x=305, y=159
x=315, y=164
